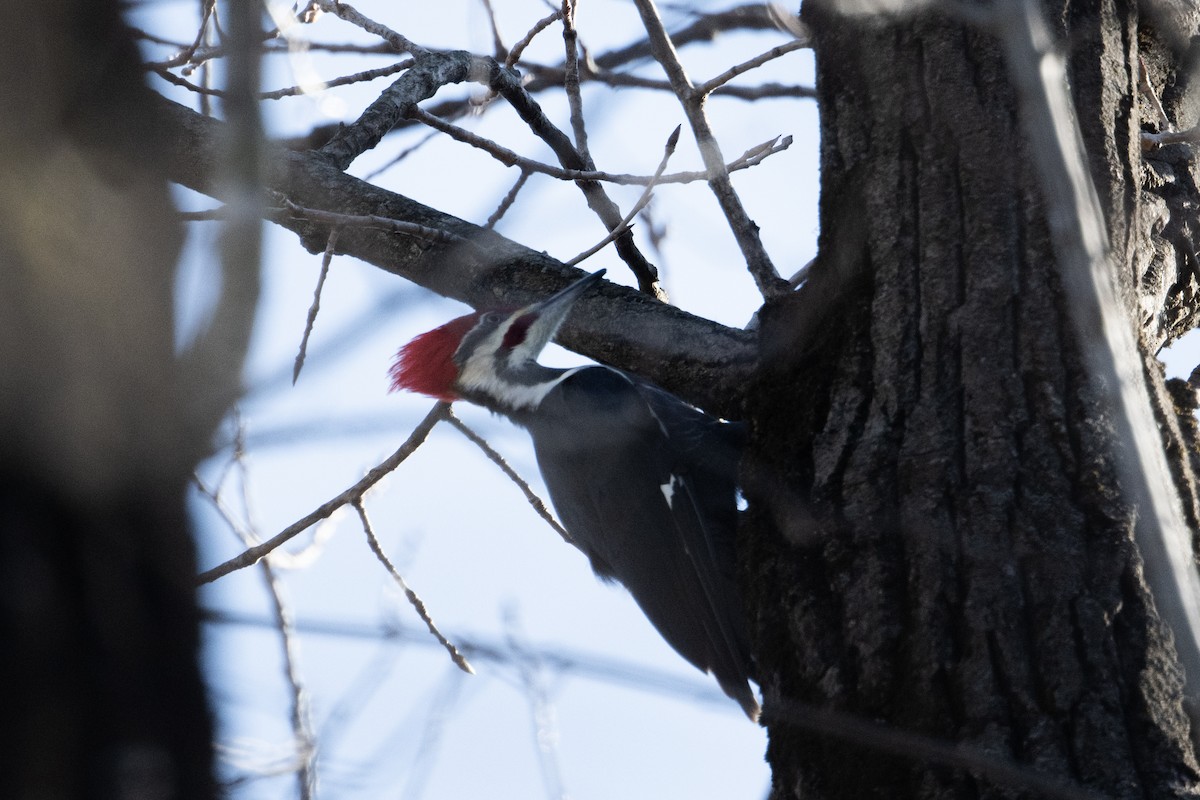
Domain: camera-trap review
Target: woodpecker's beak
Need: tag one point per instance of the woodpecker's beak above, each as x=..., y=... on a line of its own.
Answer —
x=548, y=315
x=558, y=304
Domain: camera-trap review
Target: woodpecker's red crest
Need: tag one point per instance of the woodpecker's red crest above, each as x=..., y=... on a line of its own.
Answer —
x=426, y=364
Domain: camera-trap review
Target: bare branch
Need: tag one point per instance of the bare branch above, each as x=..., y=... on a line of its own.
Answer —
x=498, y=48
x=344, y=80
x=697, y=359
x=302, y=731
x=725, y=77
x=571, y=81
x=512, y=159
x=744, y=230
x=403, y=154
x=326, y=259
x=508, y=200
x=705, y=28
x=590, y=72
x=509, y=86
x=641, y=203
x=430, y=72
x=347, y=12
x=416, y=602
x=518, y=49
x=534, y=501
x=252, y=555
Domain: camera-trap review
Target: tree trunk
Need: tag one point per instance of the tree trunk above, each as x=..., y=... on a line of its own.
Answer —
x=938, y=540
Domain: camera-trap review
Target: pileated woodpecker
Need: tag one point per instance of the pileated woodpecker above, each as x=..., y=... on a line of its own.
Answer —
x=644, y=483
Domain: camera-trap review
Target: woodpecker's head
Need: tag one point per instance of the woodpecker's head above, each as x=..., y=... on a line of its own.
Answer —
x=488, y=356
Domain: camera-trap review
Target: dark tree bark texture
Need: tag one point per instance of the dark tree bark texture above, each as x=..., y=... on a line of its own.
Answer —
x=966, y=567
x=98, y=627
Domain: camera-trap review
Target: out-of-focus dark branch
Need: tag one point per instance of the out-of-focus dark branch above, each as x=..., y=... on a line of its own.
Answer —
x=212, y=367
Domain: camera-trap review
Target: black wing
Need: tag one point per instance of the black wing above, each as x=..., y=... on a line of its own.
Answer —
x=646, y=486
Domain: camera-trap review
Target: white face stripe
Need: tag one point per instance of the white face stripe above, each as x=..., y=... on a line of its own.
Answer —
x=514, y=395
x=479, y=373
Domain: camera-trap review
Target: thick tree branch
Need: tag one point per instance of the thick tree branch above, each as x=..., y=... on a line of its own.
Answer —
x=701, y=361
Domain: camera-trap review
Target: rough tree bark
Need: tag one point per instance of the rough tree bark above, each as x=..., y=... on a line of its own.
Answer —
x=98, y=628
x=966, y=567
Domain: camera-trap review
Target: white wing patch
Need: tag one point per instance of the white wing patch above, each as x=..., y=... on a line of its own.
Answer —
x=668, y=490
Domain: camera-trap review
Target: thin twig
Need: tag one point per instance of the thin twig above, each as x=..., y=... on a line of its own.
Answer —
x=541, y=710
x=508, y=200
x=289, y=91
x=641, y=203
x=547, y=75
x=498, y=460
x=302, y=730
x=442, y=710
x=344, y=80
x=571, y=81
x=1148, y=93
x=511, y=159
x=208, y=10
x=498, y=48
x=334, y=219
x=518, y=49
x=508, y=85
x=253, y=554
x=326, y=259
x=417, y=603
x=725, y=77
x=403, y=154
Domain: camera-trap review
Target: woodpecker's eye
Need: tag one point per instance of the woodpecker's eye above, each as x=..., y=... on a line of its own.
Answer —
x=516, y=332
